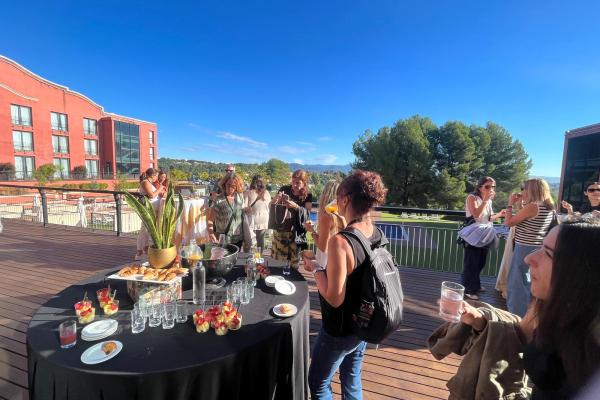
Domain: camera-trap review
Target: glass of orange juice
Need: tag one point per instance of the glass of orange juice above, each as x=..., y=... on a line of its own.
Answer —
x=332, y=207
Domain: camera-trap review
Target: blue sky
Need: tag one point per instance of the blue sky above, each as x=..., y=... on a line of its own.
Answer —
x=250, y=80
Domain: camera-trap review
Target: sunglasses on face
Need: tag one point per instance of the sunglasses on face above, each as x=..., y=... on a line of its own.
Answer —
x=228, y=170
x=489, y=187
x=591, y=190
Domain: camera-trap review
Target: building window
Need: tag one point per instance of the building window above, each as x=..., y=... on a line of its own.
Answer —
x=91, y=147
x=152, y=165
x=127, y=148
x=151, y=137
x=59, y=122
x=21, y=115
x=24, y=167
x=60, y=144
x=89, y=126
x=152, y=153
x=63, y=168
x=23, y=141
x=92, y=168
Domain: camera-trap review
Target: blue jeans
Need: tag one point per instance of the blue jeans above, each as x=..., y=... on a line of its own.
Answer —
x=518, y=284
x=329, y=353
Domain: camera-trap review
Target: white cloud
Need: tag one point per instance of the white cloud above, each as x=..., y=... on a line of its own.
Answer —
x=325, y=159
x=306, y=144
x=292, y=149
x=244, y=139
x=298, y=161
x=324, y=138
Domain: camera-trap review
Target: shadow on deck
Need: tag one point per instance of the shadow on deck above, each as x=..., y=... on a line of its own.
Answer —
x=37, y=262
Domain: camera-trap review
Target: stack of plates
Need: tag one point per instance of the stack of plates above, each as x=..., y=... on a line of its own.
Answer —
x=271, y=280
x=99, y=330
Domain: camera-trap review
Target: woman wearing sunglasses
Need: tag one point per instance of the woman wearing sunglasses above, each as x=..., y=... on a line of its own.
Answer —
x=592, y=192
x=531, y=223
x=478, y=207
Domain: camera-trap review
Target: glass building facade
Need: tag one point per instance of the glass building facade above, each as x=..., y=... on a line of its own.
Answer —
x=581, y=164
x=127, y=147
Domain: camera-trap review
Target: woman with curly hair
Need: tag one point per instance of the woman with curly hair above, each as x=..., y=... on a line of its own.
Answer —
x=289, y=210
x=339, y=284
x=226, y=213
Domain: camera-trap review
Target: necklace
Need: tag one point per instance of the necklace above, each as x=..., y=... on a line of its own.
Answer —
x=355, y=220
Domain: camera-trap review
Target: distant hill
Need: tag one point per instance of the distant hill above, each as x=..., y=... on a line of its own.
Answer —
x=321, y=167
x=552, y=180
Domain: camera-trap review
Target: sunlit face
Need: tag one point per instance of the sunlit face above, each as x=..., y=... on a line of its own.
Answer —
x=593, y=193
x=540, y=266
x=230, y=188
x=297, y=185
x=162, y=178
x=153, y=178
x=488, y=187
x=342, y=200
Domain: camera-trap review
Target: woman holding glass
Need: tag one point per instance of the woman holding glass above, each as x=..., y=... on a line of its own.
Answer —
x=531, y=223
x=225, y=215
x=328, y=223
x=592, y=205
x=289, y=210
x=339, y=287
x=559, y=333
x=257, y=200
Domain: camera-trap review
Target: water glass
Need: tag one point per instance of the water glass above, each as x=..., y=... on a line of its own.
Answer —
x=236, y=291
x=182, y=313
x=169, y=316
x=67, y=333
x=138, y=322
x=451, y=301
x=155, y=315
x=287, y=268
x=245, y=295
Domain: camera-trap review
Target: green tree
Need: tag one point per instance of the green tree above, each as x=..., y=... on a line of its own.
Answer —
x=402, y=156
x=45, y=173
x=277, y=171
x=453, y=153
x=503, y=158
x=178, y=175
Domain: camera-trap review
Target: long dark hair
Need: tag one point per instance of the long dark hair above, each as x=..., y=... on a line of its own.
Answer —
x=570, y=318
x=480, y=183
x=257, y=184
x=303, y=176
x=147, y=173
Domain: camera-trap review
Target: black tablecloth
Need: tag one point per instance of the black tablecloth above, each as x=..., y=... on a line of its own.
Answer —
x=266, y=359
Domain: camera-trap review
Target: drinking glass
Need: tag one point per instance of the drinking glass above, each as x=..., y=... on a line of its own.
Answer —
x=182, y=315
x=67, y=332
x=250, y=289
x=169, y=316
x=236, y=291
x=138, y=322
x=451, y=301
x=245, y=292
x=287, y=268
x=156, y=315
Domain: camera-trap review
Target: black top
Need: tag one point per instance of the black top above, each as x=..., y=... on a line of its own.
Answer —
x=284, y=222
x=587, y=207
x=337, y=321
x=546, y=371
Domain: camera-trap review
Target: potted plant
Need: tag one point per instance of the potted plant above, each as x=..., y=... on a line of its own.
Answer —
x=160, y=226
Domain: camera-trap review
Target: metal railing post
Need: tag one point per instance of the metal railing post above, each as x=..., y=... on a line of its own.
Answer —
x=119, y=204
x=44, y=205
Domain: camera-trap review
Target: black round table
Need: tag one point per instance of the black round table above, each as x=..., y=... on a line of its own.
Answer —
x=266, y=359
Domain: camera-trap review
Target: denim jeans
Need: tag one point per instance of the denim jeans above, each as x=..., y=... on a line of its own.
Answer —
x=329, y=353
x=518, y=285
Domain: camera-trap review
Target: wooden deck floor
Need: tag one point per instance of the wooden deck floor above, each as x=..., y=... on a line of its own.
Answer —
x=37, y=262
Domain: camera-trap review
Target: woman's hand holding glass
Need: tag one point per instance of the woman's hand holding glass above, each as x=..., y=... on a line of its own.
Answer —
x=472, y=316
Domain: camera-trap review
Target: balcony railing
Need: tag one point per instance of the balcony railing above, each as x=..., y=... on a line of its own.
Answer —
x=419, y=238
x=21, y=176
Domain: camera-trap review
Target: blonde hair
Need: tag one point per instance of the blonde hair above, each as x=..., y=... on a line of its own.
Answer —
x=328, y=195
x=537, y=190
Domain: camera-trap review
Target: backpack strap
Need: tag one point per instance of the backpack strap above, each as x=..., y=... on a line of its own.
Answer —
x=362, y=239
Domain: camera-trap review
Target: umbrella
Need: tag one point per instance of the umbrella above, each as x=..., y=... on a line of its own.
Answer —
x=81, y=210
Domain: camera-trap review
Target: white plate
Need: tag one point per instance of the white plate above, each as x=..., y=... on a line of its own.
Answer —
x=285, y=287
x=271, y=280
x=99, y=328
x=99, y=337
x=277, y=311
x=95, y=355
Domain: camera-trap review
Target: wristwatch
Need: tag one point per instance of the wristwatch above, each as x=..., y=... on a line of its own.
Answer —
x=318, y=268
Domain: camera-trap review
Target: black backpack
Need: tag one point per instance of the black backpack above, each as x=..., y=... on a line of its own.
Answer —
x=380, y=309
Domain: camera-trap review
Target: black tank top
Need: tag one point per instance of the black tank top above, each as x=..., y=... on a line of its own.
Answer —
x=337, y=321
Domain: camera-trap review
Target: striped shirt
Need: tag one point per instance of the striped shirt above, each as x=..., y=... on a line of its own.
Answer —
x=532, y=231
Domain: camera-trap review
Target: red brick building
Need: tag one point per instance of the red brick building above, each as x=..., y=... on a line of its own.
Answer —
x=42, y=122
